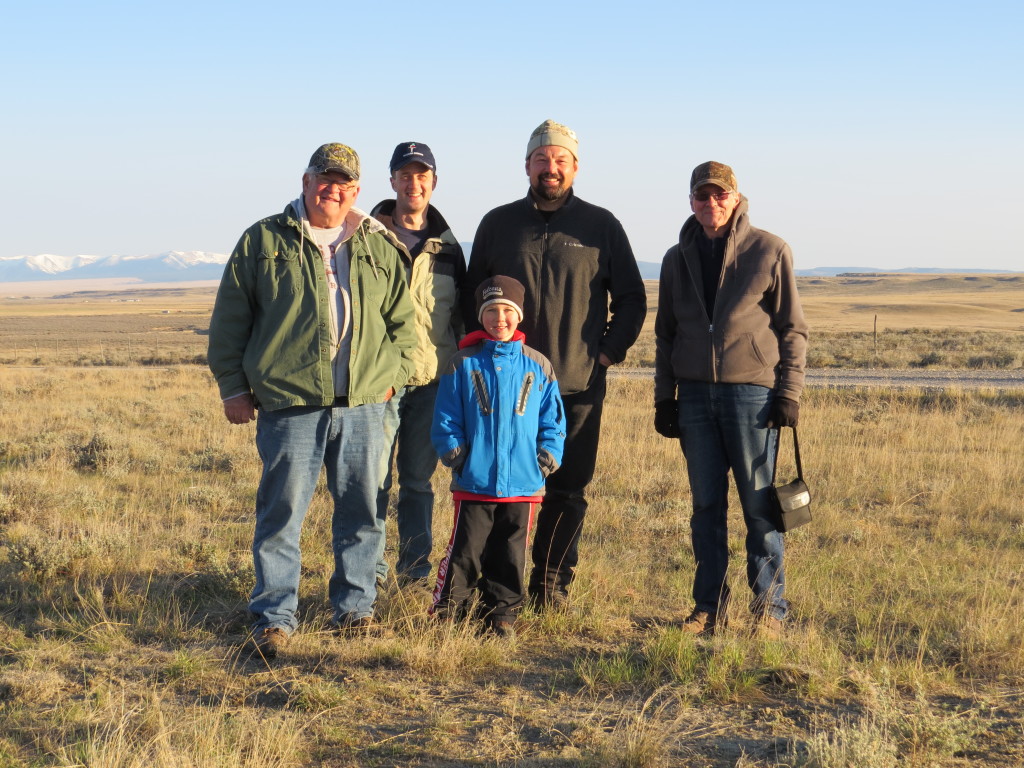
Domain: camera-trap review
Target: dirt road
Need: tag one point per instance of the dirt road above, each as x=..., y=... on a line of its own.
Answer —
x=843, y=378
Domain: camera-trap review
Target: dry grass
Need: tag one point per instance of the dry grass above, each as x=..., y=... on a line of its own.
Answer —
x=886, y=321
x=120, y=327
x=125, y=517
x=125, y=522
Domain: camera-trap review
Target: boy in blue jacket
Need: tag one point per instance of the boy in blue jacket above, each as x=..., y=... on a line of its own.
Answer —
x=500, y=425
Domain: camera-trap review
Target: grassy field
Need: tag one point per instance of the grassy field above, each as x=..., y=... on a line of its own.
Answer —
x=94, y=328
x=891, y=321
x=125, y=523
x=900, y=321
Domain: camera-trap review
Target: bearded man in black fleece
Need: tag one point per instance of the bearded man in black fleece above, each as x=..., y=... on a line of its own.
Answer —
x=729, y=370
x=572, y=257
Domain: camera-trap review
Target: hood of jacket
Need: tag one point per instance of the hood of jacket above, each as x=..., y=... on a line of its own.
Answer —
x=476, y=337
x=354, y=219
x=437, y=227
x=756, y=333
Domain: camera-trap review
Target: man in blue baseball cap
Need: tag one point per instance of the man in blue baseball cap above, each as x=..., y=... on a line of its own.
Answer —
x=436, y=265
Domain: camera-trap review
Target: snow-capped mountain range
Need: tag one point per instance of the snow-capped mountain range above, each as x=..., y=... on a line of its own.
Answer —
x=182, y=266
x=172, y=266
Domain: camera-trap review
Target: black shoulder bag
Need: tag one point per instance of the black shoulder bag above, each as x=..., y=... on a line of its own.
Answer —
x=792, y=501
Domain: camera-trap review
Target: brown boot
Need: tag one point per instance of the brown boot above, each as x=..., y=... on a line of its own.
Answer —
x=702, y=624
x=269, y=641
x=361, y=627
x=769, y=627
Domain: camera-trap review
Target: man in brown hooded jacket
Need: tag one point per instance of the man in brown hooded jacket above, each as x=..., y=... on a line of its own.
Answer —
x=729, y=370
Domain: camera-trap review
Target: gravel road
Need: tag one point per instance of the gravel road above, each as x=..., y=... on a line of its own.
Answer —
x=916, y=378
x=843, y=378
x=837, y=378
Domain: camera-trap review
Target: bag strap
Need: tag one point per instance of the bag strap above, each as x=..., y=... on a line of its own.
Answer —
x=796, y=452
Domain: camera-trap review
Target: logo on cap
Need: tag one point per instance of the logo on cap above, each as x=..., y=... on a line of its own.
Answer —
x=412, y=152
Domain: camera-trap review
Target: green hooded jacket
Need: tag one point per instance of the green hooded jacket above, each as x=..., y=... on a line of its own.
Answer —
x=270, y=331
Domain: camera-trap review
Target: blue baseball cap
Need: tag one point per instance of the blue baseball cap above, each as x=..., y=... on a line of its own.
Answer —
x=412, y=152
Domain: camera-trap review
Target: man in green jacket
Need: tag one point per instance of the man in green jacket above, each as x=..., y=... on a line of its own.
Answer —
x=436, y=267
x=313, y=327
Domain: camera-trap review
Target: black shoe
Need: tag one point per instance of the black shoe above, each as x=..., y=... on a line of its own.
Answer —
x=415, y=583
x=549, y=598
x=503, y=628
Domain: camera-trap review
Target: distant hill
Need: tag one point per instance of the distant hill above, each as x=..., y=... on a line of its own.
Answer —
x=857, y=271
x=183, y=266
x=650, y=271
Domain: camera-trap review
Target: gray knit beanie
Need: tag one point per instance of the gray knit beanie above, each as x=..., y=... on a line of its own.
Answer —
x=550, y=133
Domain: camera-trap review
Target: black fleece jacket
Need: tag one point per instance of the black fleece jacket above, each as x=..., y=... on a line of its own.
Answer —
x=571, y=264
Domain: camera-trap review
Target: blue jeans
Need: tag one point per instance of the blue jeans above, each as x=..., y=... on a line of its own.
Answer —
x=407, y=419
x=723, y=428
x=293, y=444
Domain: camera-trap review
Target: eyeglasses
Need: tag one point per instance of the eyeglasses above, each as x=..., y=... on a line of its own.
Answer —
x=327, y=181
x=703, y=197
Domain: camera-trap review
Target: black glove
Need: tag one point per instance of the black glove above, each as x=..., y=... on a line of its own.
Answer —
x=784, y=413
x=546, y=462
x=455, y=458
x=666, y=418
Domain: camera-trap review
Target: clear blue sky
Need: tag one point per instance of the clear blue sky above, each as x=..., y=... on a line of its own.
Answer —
x=884, y=134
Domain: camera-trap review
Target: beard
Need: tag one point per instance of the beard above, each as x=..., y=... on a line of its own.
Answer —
x=550, y=194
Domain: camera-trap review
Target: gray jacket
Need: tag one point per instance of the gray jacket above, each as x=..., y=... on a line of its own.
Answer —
x=757, y=334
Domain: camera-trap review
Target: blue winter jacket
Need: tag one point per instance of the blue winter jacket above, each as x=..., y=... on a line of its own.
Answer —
x=499, y=422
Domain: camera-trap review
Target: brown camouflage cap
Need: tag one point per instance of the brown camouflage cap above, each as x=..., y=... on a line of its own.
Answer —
x=719, y=174
x=335, y=157
x=551, y=133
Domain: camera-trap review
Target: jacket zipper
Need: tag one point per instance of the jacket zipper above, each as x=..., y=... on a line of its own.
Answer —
x=543, y=270
x=704, y=306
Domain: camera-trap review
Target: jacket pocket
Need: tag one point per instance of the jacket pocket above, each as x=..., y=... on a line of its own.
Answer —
x=742, y=360
x=524, y=394
x=480, y=392
x=277, y=274
x=372, y=280
x=692, y=357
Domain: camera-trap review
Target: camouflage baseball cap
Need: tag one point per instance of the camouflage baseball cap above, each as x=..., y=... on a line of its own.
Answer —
x=719, y=174
x=335, y=157
x=550, y=133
